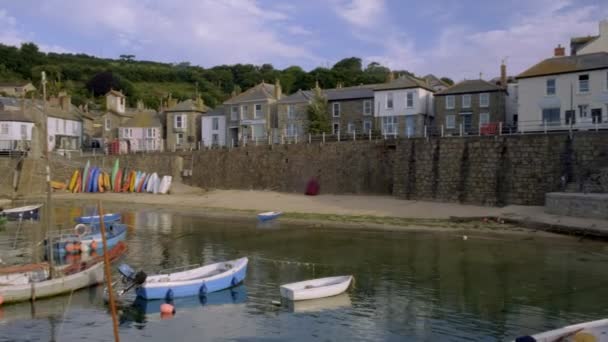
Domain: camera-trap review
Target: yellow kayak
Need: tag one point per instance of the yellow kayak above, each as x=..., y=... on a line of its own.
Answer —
x=73, y=180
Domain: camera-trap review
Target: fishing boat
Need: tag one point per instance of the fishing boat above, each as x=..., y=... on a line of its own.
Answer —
x=268, y=216
x=22, y=213
x=588, y=331
x=316, y=288
x=111, y=217
x=194, y=281
x=23, y=287
x=88, y=238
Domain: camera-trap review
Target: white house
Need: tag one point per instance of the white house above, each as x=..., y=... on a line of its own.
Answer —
x=564, y=92
x=591, y=44
x=116, y=101
x=15, y=130
x=141, y=133
x=404, y=106
x=64, y=130
x=213, y=128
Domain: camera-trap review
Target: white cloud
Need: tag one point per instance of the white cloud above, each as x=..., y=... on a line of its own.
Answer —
x=360, y=13
x=298, y=30
x=10, y=34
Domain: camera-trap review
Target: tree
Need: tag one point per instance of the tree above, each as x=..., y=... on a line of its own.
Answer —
x=352, y=64
x=318, y=117
x=447, y=80
x=127, y=58
x=103, y=82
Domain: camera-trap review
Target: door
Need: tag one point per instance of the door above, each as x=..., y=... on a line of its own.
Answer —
x=596, y=114
x=410, y=126
x=467, y=123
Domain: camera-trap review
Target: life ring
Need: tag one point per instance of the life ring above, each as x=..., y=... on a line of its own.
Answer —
x=82, y=229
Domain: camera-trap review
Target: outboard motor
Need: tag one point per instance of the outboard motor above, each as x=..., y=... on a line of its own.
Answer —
x=131, y=278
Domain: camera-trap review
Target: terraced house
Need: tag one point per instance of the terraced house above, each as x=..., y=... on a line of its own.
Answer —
x=183, y=124
x=293, y=114
x=251, y=115
x=470, y=107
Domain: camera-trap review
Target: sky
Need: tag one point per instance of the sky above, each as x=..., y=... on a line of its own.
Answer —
x=455, y=38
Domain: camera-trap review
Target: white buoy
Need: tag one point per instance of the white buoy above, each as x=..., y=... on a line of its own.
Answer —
x=464, y=237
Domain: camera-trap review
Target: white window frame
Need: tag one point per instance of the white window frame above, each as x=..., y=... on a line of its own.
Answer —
x=390, y=122
x=336, y=109
x=291, y=130
x=179, y=139
x=484, y=100
x=586, y=82
x=409, y=96
x=215, y=124
x=450, y=121
x=553, y=87
x=450, y=102
x=108, y=125
x=367, y=126
x=466, y=103
x=583, y=109
x=215, y=139
x=333, y=127
x=5, y=128
x=244, y=109
x=390, y=99
x=234, y=113
x=485, y=115
x=350, y=127
x=257, y=111
x=368, y=107
x=179, y=118
x=150, y=132
x=291, y=111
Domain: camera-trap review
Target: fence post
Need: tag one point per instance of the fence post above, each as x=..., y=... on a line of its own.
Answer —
x=461, y=129
x=545, y=126
x=232, y=143
x=500, y=128
x=354, y=136
x=296, y=138
x=595, y=123
x=309, y=138
x=479, y=128
x=323, y=137
x=282, y=139
x=425, y=131
x=370, y=134
x=338, y=135
x=442, y=131
x=256, y=141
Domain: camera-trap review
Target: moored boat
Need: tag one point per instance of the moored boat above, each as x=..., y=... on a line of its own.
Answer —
x=88, y=238
x=24, y=213
x=316, y=288
x=588, y=331
x=111, y=217
x=270, y=215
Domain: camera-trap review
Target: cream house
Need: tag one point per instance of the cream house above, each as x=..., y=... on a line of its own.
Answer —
x=141, y=133
x=18, y=89
x=591, y=44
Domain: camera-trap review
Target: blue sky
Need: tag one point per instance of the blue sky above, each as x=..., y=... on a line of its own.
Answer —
x=451, y=38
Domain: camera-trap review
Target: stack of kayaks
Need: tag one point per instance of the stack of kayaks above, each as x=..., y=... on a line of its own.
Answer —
x=94, y=179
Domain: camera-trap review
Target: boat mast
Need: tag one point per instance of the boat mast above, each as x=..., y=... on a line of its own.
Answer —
x=47, y=216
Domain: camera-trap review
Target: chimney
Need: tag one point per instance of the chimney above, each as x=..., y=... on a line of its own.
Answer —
x=140, y=104
x=199, y=102
x=317, y=84
x=390, y=77
x=560, y=51
x=278, y=91
x=503, y=74
x=65, y=101
x=339, y=85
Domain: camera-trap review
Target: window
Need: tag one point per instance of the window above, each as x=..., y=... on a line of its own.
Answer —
x=150, y=133
x=108, y=124
x=389, y=125
x=291, y=112
x=367, y=126
x=234, y=113
x=336, y=128
x=450, y=121
x=4, y=129
x=551, y=87
x=389, y=101
x=179, y=121
x=596, y=114
x=367, y=107
x=244, y=110
x=583, y=111
x=450, y=102
x=335, y=109
x=215, y=139
x=215, y=124
x=122, y=101
x=409, y=102
x=291, y=130
x=258, y=111
x=551, y=116
x=466, y=101
x=350, y=128
x=179, y=139
x=484, y=119
x=24, y=131
x=583, y=83
x=484, y=100
x=75, y=127
x=258, y=131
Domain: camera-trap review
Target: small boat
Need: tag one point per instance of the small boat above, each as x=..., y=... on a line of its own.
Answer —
x=316, y=288
x=24, y=213
x=338, y=302
x=270, y=215
x=95, y=218
x=195, y=281
x=68, y=279
x=86, y=241
x=588, y=331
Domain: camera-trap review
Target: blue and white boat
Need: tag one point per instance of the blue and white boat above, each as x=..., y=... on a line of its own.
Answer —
x=90, y=240
x=94, y=219
x=268, y=216
x=196, y=281
x=28, y=212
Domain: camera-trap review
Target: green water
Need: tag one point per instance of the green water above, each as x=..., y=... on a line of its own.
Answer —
x=411, y=286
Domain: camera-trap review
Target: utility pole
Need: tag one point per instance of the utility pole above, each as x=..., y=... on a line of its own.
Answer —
x=49, y=209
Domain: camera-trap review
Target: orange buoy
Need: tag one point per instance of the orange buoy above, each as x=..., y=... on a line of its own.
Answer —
x=93, y=245
x=167, y=309
x=69, y=247
x=1, y=299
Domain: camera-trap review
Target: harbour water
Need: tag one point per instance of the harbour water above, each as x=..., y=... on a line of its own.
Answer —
x=409, y=286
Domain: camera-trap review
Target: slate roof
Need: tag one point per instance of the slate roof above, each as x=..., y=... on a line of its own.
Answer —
x=297, y=97
x=217, y=111
x=404, y=82
x=260, y=92
x=14, y=84
x=470, y=86
x=567, y=64
x=10, y=101
x=115, y=93
x=349, y=93
x=19, y=116
x=434, y=81
x=143, y=119
x=188, y=106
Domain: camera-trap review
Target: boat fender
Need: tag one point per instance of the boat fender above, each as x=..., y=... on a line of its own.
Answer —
x=234, y=281
x=167, y=309
x=203, y=290
x=81, y=229
x=93, y=245
x=169, y=295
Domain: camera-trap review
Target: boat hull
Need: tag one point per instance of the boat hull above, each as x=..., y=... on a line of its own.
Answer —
x=95, y=218
x=31, y=212
x=269, y=216
x=316, y=288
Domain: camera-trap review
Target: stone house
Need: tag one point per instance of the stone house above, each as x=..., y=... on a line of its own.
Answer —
x=143, y=132
x=470, y=107
x=252, y=115
x=564, y=92
x=351, y=109
x=106, y=123
x=17, y=89
x=292, y=114
x=183, y=124
x=591, y=44
x=403, y=106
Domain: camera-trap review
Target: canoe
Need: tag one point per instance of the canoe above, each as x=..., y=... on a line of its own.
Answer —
x=26, y=212
x=90, y=179
x=151, y=182
x=100, y=182
x=85, y=177
x=316, y=288
x=165, y=184
x=142, y=184
x=588, y=331
x=114, y=172
x=71, y=278
x=270, y=215
x=133, y=180
x=73, y=180
x=107, y=184
x=78, y=186
x=111, y=217
x=195, y=281
x=338, y=302
x=117, y=181
x=74, y=243
x=56, y=185
x=126, y=181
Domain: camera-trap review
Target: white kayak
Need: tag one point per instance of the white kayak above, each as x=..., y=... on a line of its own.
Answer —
x=589, y=331
x=316, y=288
x=165, y=184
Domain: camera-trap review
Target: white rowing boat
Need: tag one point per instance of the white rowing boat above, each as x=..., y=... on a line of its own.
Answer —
x=589, y=331
x=316, y=288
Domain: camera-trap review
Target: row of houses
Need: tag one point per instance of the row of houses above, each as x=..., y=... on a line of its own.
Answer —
x=562, y=92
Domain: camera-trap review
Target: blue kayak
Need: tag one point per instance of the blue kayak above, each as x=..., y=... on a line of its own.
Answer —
x=271, y=215
x=95, y=218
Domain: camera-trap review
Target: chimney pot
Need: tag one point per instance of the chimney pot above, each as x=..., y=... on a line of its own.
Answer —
x=560, y=51
x=503, y=74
